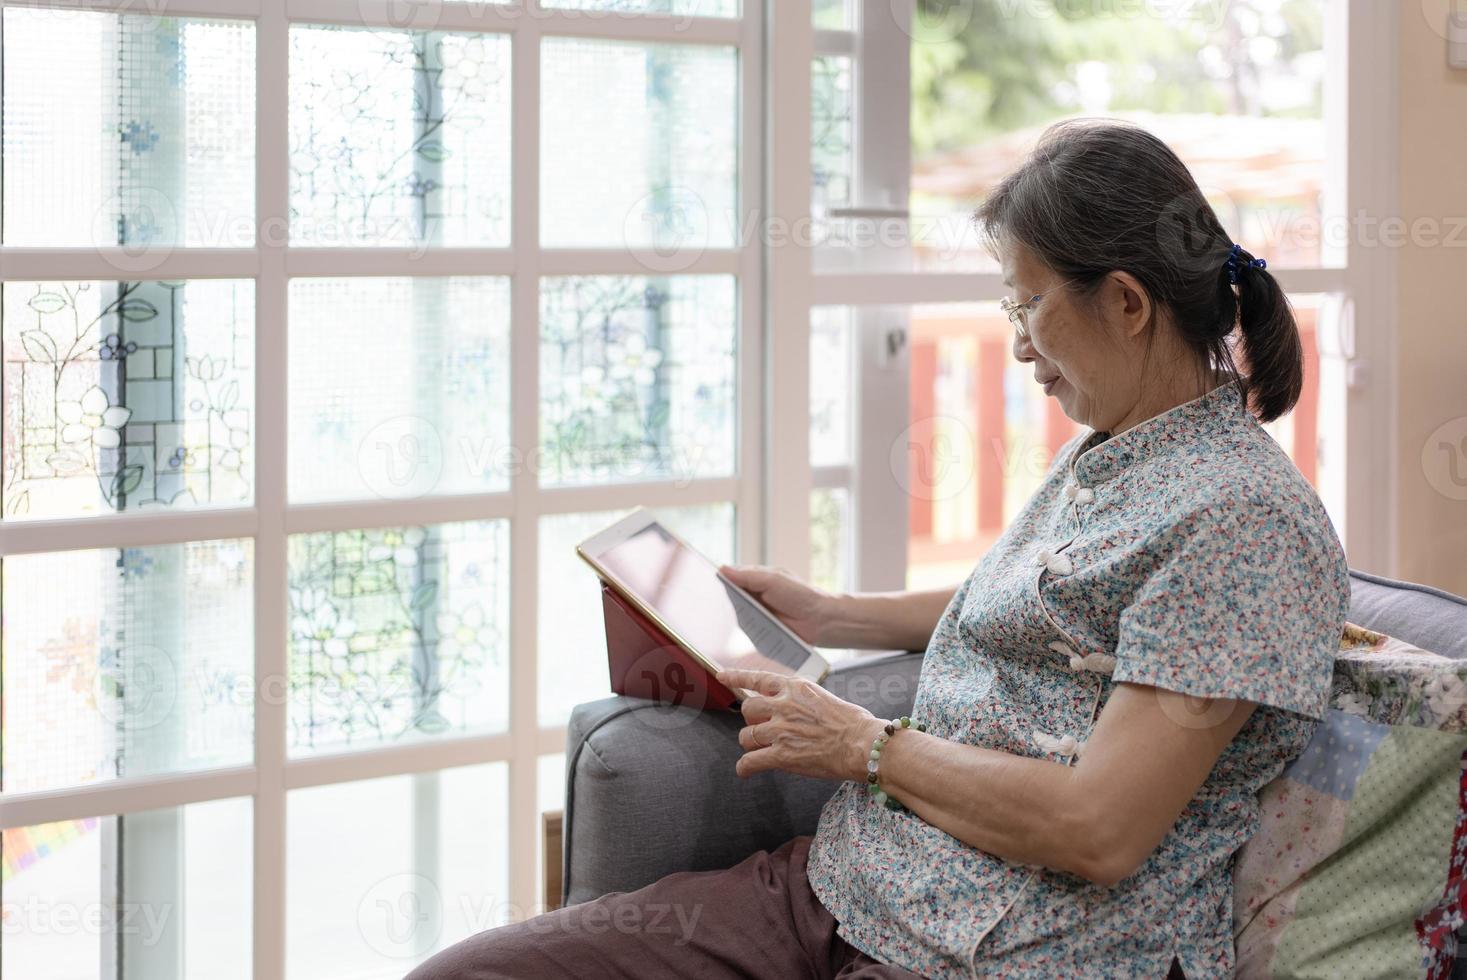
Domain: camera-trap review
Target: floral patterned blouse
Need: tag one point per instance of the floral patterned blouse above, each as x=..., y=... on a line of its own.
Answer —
x=1186, y=553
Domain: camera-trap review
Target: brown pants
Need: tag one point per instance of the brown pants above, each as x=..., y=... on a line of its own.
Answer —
x=758, y=919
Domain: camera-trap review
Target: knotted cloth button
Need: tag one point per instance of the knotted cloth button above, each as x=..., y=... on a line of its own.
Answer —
x=1059, y=564
x=1055, y=744
x=1084, y=495
x=1071, y=491
x=1063, y=649
x=1100, y=663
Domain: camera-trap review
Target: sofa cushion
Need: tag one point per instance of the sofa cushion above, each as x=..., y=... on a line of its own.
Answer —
x=1422, y=616
x=1356, y=867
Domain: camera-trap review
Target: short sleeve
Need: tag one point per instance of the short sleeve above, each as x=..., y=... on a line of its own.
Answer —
x=1244, y=599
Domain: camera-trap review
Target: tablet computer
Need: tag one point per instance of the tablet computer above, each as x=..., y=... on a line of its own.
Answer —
x=716, y=622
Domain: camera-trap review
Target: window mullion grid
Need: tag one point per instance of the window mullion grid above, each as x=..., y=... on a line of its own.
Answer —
x=271, y=263
x=271, y=391
x=524, y=432
x=750, y=374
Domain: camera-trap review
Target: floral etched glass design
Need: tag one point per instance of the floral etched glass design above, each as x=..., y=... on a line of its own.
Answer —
x=636, y=378
x=663, y=119
x=128, y=130
x=832, y=133
x=686, y=8
x=127, y=662
x=398, y=633
x=120, y=395
x=398, y=387
x=399, y=137
x=572, y=636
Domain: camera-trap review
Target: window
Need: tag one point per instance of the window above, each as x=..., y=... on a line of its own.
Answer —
x=1254, y=96
x=326, y=335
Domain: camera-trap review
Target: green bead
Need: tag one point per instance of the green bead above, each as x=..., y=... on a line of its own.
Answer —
x=881, y=797
x=875, y=754
x=872, y=788
x=906, y=722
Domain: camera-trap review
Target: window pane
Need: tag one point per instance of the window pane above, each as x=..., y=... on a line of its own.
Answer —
x=981, y=437
x=549, y=796
x=637, y=378
x=382, y=873
x=983, y=434
x=399, y=137
x=1236, y=89
x=160, y=893
x=663, y=120
x=121, y=395
x=831, y=367
x=398, y=633
x=128, y=130
x=832, y=14
x=691, y=8
x=572, y=658
x=398, y=387
x=830, y=539
x=126, y=662
x=832, y=139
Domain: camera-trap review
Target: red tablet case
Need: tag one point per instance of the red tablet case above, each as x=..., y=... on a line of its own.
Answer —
x=646, y=663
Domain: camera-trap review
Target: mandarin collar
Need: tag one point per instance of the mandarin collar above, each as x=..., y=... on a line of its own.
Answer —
x=1099, y=461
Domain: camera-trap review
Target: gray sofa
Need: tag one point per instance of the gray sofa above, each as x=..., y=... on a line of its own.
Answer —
x=651, y=789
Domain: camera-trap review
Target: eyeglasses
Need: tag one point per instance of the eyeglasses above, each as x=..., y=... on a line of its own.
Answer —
x=1019, y=312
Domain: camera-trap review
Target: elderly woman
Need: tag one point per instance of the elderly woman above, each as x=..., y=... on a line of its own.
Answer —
x=1147, y=645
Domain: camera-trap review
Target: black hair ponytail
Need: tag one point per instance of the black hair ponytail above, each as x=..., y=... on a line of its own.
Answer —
x=1098, y=196
x=1272, y=350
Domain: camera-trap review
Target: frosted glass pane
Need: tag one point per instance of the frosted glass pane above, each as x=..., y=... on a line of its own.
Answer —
x=832, y=14
x=831, y=363
x=830, y=538
x=128, y=130
x=399, y=137
x=126, y=662
x=159, y=894
x=120, y=395
x=398, y=633
x=832, y=134
x=381, y=874
x=549, y=796
x=691, y=8
x=637, y=378
x=572, y=657
x=398, y=387
x=663, y=121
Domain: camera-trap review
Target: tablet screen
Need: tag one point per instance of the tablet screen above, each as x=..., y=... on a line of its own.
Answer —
x=705, y=610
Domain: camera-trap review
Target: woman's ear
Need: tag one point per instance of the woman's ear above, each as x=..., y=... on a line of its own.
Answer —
x=1127, y=302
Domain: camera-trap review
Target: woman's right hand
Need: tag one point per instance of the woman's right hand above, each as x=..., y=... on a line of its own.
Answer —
x=806, y=610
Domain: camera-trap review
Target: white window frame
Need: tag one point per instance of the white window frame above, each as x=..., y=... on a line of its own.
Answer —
x=271, y=263
x=1363, y=133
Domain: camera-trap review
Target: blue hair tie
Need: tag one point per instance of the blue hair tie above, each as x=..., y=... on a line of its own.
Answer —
x=1234, y=254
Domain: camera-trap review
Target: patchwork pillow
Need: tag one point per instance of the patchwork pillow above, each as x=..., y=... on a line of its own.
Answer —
x=1357, y=866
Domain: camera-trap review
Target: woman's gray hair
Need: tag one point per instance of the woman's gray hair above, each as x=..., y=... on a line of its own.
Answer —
x=1101, y=196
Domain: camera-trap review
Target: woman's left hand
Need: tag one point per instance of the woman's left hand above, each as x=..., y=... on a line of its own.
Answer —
x=796, y=725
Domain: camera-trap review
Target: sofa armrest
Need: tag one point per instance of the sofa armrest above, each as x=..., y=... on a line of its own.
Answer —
x=651, y=790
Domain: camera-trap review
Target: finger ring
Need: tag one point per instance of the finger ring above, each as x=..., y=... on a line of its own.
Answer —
x=754, y=737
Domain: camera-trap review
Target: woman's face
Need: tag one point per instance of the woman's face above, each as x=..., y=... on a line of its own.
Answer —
x=1084, y=350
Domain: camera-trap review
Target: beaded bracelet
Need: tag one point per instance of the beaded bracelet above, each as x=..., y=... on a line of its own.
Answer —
x=873, y=766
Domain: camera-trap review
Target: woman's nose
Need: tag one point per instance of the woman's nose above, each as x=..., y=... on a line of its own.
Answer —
x=1023, y=349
